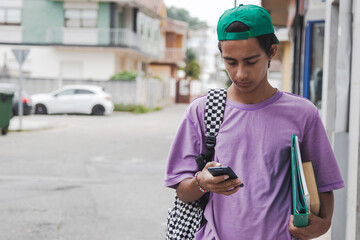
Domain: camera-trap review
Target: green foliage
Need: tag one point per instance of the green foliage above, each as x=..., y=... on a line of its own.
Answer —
x=141, y=109
x=190, y=55
x=157, y=77
x=136, y=109
x=124, y=76
x=193, y=70
x=124, y=108
x=183, y=15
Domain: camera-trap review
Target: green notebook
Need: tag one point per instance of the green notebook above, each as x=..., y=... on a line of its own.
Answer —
x=299, y=197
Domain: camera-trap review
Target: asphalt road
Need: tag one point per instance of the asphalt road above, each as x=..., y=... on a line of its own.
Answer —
x=87, y=177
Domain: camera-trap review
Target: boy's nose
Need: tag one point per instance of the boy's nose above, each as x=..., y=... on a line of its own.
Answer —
x=241, y=73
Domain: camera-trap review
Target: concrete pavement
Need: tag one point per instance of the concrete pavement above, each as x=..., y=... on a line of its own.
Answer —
x=87, y=177
x=73, y=191
x=29, y=123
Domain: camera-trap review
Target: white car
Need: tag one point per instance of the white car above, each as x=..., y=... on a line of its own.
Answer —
x=82, y=99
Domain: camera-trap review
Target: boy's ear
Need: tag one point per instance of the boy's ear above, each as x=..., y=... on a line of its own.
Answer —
x=273, y=50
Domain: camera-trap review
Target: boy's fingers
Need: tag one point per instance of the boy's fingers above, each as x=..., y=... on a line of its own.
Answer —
x=229, y=192
x=212, y=164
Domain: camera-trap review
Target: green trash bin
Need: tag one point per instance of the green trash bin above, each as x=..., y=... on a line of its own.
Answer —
x=5, y=110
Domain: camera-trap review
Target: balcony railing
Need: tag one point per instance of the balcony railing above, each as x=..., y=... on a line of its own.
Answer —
x=173, y=55
x=102, y=37
x=10, y=34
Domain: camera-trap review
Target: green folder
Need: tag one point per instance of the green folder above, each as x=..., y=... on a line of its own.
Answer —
x=300, y=210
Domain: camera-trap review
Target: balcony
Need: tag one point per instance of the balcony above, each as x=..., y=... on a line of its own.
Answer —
x=102, y=37
x=173, y=55
x=10, y=34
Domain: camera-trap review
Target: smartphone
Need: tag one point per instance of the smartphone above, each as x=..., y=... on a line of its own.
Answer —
x=218, y=171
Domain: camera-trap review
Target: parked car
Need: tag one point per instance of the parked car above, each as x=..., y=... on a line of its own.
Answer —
x=82, y=99
x=26, y=102
x=25, y=99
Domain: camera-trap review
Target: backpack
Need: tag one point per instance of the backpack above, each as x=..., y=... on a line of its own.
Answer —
x=184, y=219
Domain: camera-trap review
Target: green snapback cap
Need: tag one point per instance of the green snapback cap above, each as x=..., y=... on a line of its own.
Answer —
x=257, y=18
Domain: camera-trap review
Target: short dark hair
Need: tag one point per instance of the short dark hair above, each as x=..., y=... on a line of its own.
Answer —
x=265, y=41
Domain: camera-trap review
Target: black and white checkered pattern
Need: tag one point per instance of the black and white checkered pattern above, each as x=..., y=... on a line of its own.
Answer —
x=184, y=219
x=215, y=106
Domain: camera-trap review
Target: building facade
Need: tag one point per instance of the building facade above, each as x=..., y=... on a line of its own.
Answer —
x=82, y=39
x=324, y=58
x=172, y=51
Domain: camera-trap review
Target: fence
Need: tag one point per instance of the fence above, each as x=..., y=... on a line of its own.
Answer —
x=148, y=92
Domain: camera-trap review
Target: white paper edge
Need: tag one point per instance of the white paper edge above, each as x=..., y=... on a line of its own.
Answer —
x=303, y=181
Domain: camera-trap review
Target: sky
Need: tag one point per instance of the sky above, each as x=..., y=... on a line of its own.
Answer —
x=207, y=10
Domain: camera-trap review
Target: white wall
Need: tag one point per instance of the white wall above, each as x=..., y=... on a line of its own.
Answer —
x=204, y=44
x=11, y=3
x=341, y=61
x=49, y=62
x=353, y=197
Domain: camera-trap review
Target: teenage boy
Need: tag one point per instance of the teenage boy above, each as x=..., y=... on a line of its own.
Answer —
x=254, y=140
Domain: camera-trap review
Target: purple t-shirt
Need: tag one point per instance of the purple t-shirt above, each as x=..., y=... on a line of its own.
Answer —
x=254, y=140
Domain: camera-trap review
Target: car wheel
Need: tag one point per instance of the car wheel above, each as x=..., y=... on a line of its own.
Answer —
x=4, y=131
x=98, y=110
x=40, y=109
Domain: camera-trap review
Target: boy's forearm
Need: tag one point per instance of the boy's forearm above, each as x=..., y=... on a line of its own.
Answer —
x=327, y=207
x=188, y=190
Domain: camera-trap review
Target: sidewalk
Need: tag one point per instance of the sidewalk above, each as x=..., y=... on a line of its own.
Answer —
x=28, y=124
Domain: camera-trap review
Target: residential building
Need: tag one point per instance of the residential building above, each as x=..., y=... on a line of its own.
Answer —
x=203, y=42
x=172, y=50
x=324, y=57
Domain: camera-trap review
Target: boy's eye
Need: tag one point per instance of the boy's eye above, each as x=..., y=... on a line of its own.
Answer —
x=231, y=63
x=251, y=62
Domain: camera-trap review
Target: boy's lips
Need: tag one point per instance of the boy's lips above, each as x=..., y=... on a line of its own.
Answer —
x=242, y=84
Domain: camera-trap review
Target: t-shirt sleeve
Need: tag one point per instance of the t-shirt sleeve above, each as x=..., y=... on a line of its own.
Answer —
x=316, y=147
x=185, y=148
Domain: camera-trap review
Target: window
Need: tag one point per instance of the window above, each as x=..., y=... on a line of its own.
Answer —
x=83, y=91
x=10, y=16
x=66, y=92
x=80, y=18
x=313, y=65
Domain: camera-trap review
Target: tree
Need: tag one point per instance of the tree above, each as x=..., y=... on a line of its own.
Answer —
x=193, y=70
x=183, y=15
x=190, y=55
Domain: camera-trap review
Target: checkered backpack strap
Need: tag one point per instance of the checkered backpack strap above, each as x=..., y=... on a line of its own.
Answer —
x=215, y=106
x=214, y=114
x=184, y=219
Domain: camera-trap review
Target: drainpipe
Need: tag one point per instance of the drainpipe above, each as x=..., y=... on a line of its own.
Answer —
x=297, y=28
x=113, y=18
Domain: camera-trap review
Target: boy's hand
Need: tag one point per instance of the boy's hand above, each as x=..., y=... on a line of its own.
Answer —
x=317, y=226
x=219, y=184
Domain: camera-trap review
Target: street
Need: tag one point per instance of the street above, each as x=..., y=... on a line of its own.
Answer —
x=87, y=177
